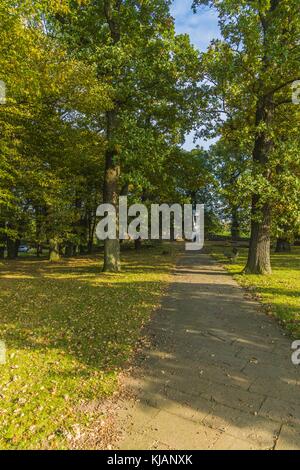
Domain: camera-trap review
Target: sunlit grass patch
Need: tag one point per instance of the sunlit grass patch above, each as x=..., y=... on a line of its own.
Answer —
x=280, y=291
x=69, y=329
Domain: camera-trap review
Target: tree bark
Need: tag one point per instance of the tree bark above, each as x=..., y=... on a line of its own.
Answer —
x=69, y=249
x=259, y=260
x=235, y=225
x=2, y=240
x=39, y=219
x=111, y=193
x=54, y=254
x=112, y=169
x=39, y=250
x=138, y=244
x=12, y=248
x=111, y=247
x=91, y=226
x=17, y=245
x=90, y=246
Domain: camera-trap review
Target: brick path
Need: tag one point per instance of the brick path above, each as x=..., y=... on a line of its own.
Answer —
x=218, y=375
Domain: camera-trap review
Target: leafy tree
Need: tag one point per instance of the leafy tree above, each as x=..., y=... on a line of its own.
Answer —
x=247, y=82
x=231, y=166
x=50, y=151
x=150, y=74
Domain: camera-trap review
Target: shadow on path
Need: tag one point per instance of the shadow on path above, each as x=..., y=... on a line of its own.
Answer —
x=218, y=373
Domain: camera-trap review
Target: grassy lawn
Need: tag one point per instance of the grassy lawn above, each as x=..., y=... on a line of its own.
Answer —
x=69, y=329
x=280, y=292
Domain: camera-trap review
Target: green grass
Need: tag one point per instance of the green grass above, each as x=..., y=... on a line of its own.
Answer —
x=279, y=292
x=69, y=330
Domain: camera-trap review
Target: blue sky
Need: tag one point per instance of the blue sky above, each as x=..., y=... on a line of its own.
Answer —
x=202, y=27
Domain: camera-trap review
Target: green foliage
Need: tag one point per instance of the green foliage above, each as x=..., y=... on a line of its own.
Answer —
x=246, y=84
x=74, y=66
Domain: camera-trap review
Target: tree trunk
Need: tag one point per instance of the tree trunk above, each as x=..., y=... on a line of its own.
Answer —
x=17, y=246
x=54, y=254
x=11, y=248
x=283, y=246
x=69, y=249
x=39, y=250
x=235, y=225
x=259, y=260
x=138, y=244
x=2, y=240
x=111, y=193
x=112, y=256
x=112, y=168
x=91, y=233
x=39, y=218
x=90, y=247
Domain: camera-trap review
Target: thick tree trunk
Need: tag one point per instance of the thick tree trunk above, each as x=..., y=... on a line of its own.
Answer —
x=54, y=253
x=260, y=244
x=112, y=168
x=283, y=246
x=112, y=256
x=259, y=260
x=111, y=194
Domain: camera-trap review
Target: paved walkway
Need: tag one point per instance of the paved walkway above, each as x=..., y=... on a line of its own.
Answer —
x=218, y=374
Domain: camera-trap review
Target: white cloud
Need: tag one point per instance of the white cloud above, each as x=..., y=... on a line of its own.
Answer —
x=202, y=27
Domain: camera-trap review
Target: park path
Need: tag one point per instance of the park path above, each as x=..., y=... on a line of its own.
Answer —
x=218, y=373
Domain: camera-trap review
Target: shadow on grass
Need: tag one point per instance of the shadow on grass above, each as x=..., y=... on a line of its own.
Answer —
x=61, y=304
x=206, y=337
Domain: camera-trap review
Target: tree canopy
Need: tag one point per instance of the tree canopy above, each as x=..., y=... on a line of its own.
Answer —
x=100, y=97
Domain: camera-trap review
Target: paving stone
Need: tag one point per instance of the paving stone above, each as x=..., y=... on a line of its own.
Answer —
x=290, y=390
x=262, y=356
x=245, y=426
x=141, y=414
x=234, y=397
x=218, y=375
x=289, y=439
x=276, y=372
x=180, y=404
x=281, y=411
x=227, y=442
x=179, y=433
x=136, y=441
